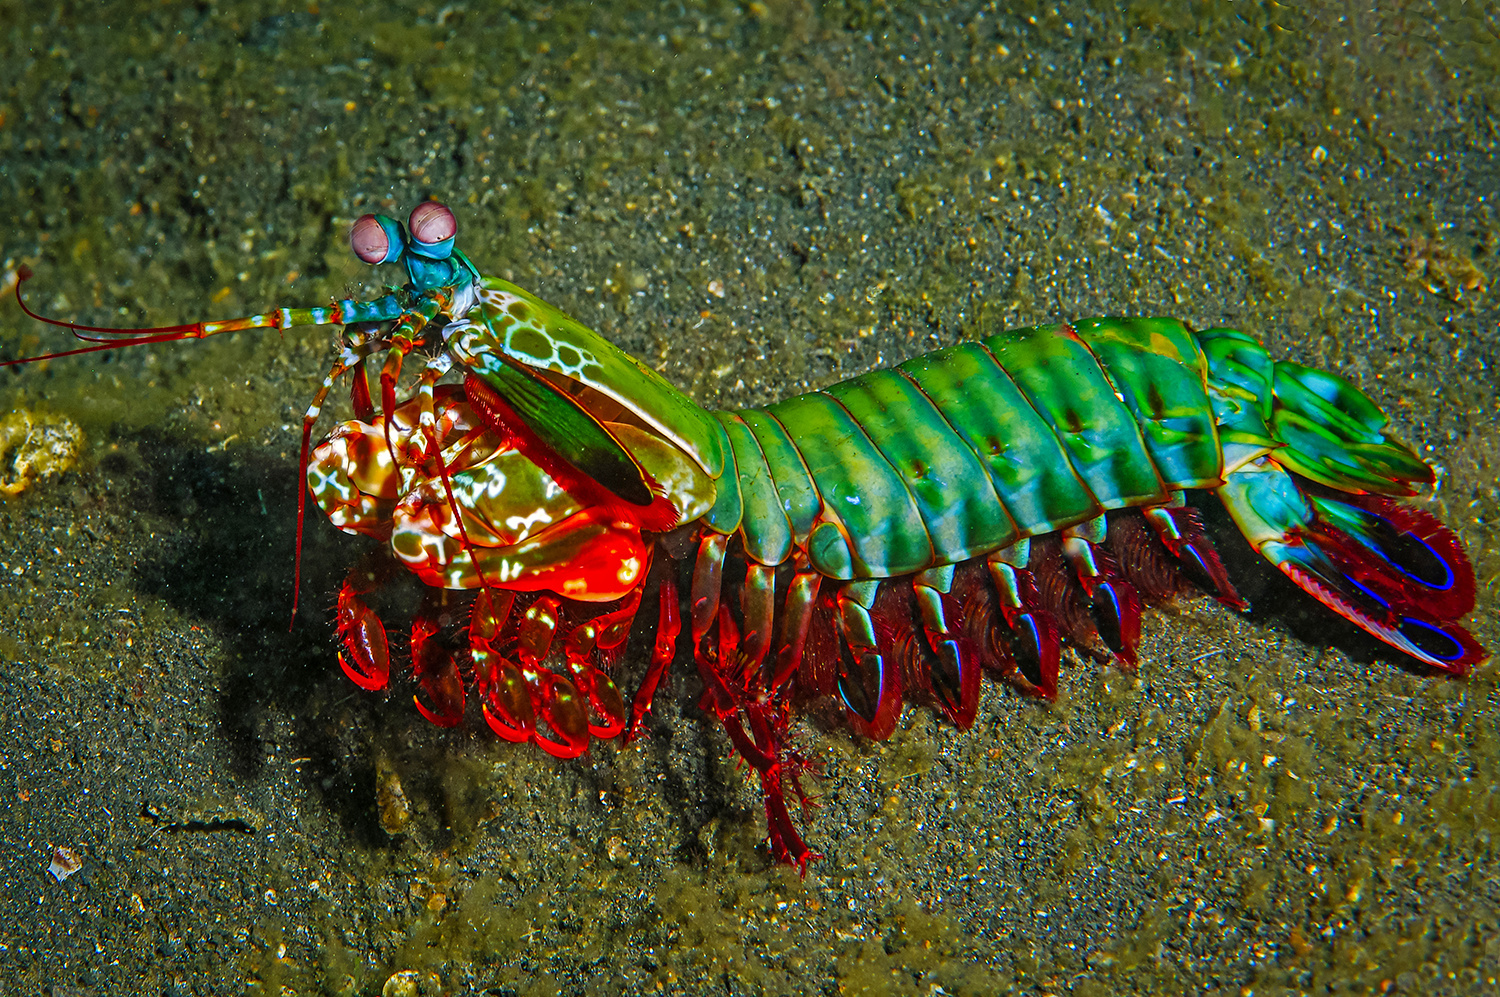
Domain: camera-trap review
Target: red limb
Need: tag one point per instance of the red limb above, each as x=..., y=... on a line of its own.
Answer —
x=363, y=637
x=507, y=701
x=668, y=626
x=1114, y=604
x=605, y=633
x=758, y=607
x=436, y=672
x=786, y=841
x=954, y=670
x=564, y=710
x=602, y=695
x=1037, y=648
x=708, y=573
x=359, y=394
x=801, y=600
x=552, y=698
x=515, y=696
x=602, y=635
x=487, y=618
x=536, y=630
x=1180, y=530
x=764, y=747
x=504, y=698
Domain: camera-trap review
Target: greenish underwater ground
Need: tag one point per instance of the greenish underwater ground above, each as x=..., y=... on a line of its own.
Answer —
x=756, y=198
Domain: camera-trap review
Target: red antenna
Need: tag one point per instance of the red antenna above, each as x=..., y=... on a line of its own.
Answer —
x=110, y=338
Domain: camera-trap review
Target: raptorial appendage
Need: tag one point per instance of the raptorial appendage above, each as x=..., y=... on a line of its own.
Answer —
x=459, y=507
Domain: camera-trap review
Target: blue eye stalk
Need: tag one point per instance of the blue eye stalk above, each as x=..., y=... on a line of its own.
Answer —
x=426, y=251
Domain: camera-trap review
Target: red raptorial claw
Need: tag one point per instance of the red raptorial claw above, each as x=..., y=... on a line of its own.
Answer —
x=363, y=637
x=450, y=698
x=564, y=710
x=438, y=675
x=507, y=702
x=603, y=697
x=369, y=680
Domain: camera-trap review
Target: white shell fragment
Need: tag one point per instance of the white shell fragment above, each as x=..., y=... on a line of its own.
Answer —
x=65, y=862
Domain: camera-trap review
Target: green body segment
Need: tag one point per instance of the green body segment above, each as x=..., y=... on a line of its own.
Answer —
x=767, y=533
x=1160, y=374
x=796, y=495
x=964, y=451
x=1241, y=372
x=855, y=491
x=1026, y=462
x=962, y=514
x=1061, y=379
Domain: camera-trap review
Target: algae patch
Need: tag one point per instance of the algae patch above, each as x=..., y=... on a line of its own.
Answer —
x=35, y=446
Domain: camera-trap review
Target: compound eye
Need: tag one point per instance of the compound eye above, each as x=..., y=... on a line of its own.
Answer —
x=431, y=222
x=376, y=239
x=432, y=229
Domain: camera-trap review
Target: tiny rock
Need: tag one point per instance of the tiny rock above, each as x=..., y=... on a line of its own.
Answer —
x=65, y=862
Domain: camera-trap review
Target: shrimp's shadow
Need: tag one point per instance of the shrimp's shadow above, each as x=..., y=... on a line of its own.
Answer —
x=231, y=566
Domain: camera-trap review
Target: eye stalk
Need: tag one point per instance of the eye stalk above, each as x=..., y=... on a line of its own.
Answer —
x=427, y=253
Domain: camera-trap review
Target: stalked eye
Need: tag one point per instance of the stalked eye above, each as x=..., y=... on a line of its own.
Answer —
x=377, y=239
x=432, y=229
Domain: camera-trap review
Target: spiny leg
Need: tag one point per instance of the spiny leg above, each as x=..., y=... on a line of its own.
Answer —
x=758, y=607
x=601, y=637
x=708, y=575
x=1037, y=648
x=1114, y=602
x=868, y=682
x=758, y=730
x=954, y=677
x=801, y=601
x=504, y=697
x=404, y=337
x=1180, y=529
x=352, y=355
x=755, y=722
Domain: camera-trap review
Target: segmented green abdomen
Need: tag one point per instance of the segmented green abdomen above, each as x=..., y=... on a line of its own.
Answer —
x=963, y=451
